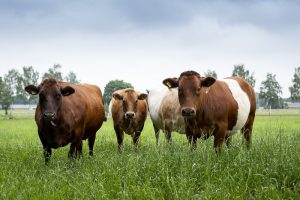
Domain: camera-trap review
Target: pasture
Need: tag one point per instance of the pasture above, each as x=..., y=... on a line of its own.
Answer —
x=269, y=170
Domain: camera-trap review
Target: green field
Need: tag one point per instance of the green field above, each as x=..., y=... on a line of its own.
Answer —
x=269, y=170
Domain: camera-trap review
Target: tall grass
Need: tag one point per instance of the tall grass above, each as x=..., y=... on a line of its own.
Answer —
x=269, y=170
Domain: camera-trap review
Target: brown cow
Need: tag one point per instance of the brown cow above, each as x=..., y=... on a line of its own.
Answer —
x=216, y=107
x=67, y=113
x=129, y=112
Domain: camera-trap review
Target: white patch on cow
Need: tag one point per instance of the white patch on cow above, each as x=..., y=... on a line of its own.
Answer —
x=155, y=97
x=242, y=100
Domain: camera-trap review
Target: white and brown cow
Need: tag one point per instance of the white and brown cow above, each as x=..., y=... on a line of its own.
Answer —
x=216, y=107
x=165, y=112
x=129, y=112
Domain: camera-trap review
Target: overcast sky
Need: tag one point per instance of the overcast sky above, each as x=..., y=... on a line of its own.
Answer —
x=144, y=42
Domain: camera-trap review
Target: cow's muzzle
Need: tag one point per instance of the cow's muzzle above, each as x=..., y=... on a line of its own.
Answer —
x=50, y=116
x=188, y=112
x=129, y=115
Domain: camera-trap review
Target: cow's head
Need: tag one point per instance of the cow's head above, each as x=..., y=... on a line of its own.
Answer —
x=129, y=100
x=50, y=97
x=189, y=89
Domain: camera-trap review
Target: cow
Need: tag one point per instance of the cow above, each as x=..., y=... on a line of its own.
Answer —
x=214, y=107
x=165, y=112
x=67, y=113
x=129, y=112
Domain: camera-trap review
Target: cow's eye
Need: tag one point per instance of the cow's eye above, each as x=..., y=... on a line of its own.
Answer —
x=42, y=97
x=180, y=91
x=198, y=90
x=57, y=97
x=136, y=101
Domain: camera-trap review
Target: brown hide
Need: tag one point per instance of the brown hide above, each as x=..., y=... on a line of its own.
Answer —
x=209, y=107
x=129, y=112
x=74, y=117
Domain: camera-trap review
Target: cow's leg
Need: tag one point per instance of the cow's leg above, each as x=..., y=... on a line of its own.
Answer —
x=247, y=131
x=135, y=137
x=76, y=149
x=120, y=135
x=168, y=134
x=156, y=130
x=47, y=154
x=220, y=138
x=228, y=140
x=91, y=141
x=47, y=151
x=167, y=131
x=191, y=139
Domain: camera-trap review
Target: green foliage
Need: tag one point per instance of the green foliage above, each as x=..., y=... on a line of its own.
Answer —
x=53, y=72
x=295, y=88
x=270, y=91
x=72, y=78
x=239, y=70
x=269, y=170
x=211, y=73
x=6, y=96
x=28, y=77
x=112, y=86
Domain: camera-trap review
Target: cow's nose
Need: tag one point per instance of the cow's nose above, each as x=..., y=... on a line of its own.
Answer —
x=129, y=115
x=49, y=115
x=188, y=112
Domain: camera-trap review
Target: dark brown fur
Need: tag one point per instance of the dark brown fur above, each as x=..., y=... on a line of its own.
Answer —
x=77, y=116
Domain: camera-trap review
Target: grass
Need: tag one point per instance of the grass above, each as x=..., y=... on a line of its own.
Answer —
x=269, y=170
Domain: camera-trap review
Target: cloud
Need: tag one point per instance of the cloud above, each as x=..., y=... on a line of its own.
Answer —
x=118, y=16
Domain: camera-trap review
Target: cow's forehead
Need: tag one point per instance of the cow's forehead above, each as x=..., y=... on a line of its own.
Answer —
x=49, y=84
x=130, y=94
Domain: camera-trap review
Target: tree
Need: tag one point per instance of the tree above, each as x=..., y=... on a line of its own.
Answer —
x=295, y=88
x=29, y=76
x=112, y=86
x=239, y=70
x=6, y=95
x=72, y=78
x=211, y=73
x=270, y=91
x=54, y=73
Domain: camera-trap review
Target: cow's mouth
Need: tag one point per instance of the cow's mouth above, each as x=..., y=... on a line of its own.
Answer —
x=49, y=116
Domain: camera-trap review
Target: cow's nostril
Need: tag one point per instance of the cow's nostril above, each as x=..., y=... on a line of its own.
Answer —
x=187, y=112
x=129, y=115
x=49, y=115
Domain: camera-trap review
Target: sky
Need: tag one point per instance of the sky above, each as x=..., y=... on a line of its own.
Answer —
x=145, y=41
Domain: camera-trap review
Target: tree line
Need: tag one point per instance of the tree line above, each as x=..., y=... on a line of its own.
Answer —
x=12, y=86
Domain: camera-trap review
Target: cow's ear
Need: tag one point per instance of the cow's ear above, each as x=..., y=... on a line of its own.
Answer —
x=171, y=82
x=117, y=96
x=142, y=96
x=31, y=89
x=66, y=91
x=208, y=81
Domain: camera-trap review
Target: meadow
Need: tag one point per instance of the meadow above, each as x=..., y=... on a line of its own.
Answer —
x=270, y=169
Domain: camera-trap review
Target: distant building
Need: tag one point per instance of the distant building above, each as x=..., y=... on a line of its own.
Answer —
x=22, y=107
x=295, y=105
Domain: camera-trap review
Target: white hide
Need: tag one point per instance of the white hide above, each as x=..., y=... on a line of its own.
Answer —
x=155, y=103
x=155, y=97
x=242, y=100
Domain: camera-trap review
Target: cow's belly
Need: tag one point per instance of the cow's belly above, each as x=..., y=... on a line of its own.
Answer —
x=58, y=140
